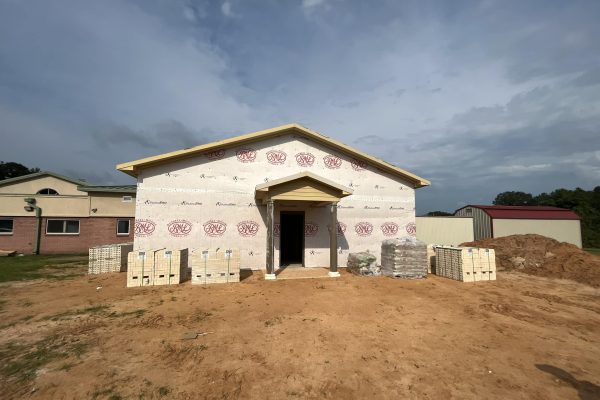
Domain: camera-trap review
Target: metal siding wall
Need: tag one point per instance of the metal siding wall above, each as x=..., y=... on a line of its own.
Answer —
x=200, y=202
x=445, y=230
x=482, y=223
x=562, y=230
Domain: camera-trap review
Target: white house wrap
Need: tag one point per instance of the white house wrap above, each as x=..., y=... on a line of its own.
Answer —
x=217, y=195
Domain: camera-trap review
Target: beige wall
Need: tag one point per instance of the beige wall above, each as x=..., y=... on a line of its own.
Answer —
x=107, y=205
x=59, y=206
x=444, y=230
x=200, y=192
x=562, y=230
x=111, y=205
x=33, y=185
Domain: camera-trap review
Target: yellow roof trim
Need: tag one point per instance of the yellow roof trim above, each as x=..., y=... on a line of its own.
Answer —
x=133, y=167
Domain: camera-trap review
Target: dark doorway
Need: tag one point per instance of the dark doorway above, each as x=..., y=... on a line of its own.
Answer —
x=292, y=238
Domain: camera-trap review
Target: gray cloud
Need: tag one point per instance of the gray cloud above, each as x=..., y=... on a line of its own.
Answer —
x=479, y=97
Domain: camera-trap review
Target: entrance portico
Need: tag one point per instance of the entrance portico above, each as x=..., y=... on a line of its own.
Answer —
x=305, y=187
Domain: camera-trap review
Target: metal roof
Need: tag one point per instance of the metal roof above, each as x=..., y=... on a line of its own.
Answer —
x=40, y=174
x=113, y=189
x=526, y=212
x=133, y=167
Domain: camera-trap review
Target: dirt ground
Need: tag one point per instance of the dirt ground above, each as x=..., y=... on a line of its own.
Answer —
x=521, y=337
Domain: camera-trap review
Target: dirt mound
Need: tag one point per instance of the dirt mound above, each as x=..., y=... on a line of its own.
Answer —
x=542, y=256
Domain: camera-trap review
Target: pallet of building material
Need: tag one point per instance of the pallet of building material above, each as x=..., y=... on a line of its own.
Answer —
x=220, y=265
x=363, y=264
x=109, y=258
x=465, y=264
x=404, y=258
x=140, y=268
x=170, y=267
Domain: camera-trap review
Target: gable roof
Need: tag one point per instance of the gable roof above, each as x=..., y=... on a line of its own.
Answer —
x=133, y=167
x=105, y=188
x=527, y=212
x=39, y=175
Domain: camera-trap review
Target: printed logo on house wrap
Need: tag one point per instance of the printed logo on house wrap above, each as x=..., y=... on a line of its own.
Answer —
x=389, y=228
x=358, y=165
x=305, y=159
x=363, y=228
x=179, y=227
x=247, y=228
x=411, y=229
x=246, y=155
x=276, y=157
x=144, y=227
x=214, y=227
x=332, y=162
x=215, y=154
x=310, y=229
x=341, y=228
x=276, y=229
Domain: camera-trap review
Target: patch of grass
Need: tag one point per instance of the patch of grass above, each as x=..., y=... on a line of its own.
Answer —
x=135, y=313
x=21, y=362
x=163, y=391
x=37, y=267
x=66, y=366
x=71, y=313
x=273, y=321
x=594, y=251
x=112, y=395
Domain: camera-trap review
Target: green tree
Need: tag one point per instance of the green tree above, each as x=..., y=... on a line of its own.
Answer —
x=514, y=199
x=13, y=170
x=438, y=214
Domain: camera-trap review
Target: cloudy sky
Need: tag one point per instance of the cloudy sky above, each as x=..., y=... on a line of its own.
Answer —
x=477, y=96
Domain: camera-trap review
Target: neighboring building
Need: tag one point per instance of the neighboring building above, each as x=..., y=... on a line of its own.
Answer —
x=73, y=215
x=273, y=194
x=497, y=221
x=450, y=231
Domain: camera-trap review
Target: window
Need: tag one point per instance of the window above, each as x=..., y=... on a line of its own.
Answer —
x=6, y=226
x=122, y=227
x=63, y=226
x=127, y=199
x=48, y=191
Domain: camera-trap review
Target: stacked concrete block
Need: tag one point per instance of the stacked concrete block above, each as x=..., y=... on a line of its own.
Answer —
x=140, y=268
x=109, y=258
x=215, y=266
x=465, y=264
x=170, y=267
x=404, y=258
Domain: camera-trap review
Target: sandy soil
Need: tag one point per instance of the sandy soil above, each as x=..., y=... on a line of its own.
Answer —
x=521, y=337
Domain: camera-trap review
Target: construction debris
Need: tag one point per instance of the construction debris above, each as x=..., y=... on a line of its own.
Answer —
x=364, y=264
x=404, y=258
x=543, y=256
x=8, y=253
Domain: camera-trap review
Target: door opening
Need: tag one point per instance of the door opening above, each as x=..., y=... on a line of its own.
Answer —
x=291, y=245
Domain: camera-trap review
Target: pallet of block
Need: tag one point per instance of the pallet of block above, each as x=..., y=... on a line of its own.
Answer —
x=109, y=258
x=157, y=267
x=220, y=265
x=466, y=264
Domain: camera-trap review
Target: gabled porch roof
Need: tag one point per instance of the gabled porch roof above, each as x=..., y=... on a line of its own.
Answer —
x=303, y=186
